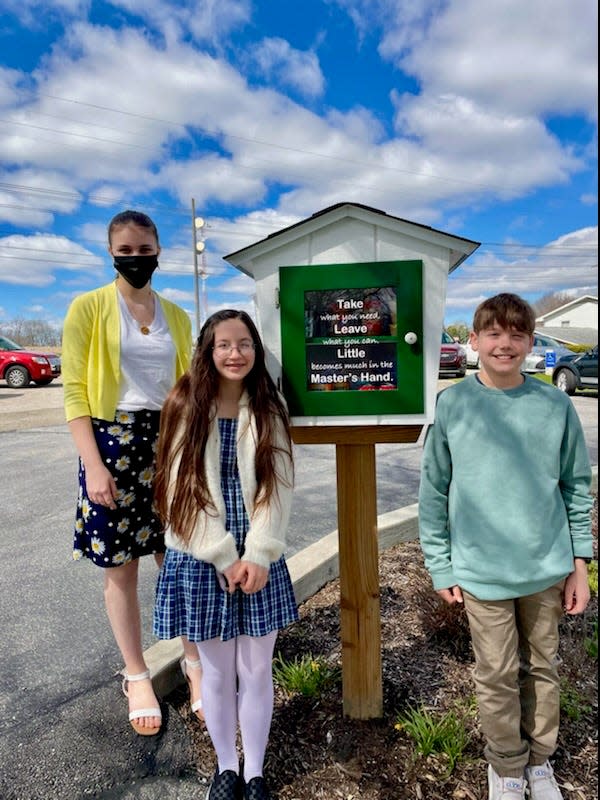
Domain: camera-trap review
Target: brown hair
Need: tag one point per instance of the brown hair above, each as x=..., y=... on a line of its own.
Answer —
x=509, y=311
x=130, y=217
x=186, y=416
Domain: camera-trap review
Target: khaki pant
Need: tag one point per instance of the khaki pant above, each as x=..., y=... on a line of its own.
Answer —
x=516, y=677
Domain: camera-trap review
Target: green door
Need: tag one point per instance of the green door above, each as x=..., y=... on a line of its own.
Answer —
x=351, y=337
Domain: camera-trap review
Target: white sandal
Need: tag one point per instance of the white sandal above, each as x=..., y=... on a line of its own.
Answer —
x=141, y=712
x=186, y=663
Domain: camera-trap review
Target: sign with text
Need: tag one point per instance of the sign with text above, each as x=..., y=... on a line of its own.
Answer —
x=350, y=339
x=342, y=334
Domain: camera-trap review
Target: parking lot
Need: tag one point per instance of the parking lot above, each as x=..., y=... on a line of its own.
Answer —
x=59, y=662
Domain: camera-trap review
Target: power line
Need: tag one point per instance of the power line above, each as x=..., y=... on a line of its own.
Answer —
x=77, y=135
x=220, y=135
x=250, y=228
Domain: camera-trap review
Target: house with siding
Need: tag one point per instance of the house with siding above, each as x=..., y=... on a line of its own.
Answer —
x=574, y=323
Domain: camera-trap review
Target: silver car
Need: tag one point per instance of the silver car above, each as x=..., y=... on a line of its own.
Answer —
x=534, y=361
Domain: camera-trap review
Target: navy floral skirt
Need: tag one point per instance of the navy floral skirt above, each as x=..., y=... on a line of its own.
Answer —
x=110, y=537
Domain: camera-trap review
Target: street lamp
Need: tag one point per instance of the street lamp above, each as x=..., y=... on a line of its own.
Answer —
x=198, y=246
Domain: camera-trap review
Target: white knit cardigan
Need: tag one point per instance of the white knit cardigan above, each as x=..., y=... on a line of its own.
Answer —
x=265, y=540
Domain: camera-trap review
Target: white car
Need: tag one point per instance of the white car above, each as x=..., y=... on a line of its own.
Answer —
x=534, y=361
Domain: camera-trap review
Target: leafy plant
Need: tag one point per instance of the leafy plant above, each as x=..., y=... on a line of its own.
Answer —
x=593, y=577
x=305, y=675
x=445, y=734
x=571, y=702
x=591, y=643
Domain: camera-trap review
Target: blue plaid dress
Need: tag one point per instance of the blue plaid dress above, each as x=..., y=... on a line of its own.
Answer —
x=189, y=599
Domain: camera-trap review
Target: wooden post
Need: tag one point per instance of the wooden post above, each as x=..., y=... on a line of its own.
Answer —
x=359, y=581
x=360, y=618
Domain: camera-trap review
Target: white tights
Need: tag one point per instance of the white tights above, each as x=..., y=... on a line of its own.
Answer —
x=237, y=686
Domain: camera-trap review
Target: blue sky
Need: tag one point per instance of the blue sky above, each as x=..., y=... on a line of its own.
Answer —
x=479, y=119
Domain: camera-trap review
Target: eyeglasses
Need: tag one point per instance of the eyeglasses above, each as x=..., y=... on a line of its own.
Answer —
x=224, y=349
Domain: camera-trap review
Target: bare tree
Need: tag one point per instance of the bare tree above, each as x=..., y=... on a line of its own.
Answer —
x=31, y=332
x=459, y=330
x=550, y=301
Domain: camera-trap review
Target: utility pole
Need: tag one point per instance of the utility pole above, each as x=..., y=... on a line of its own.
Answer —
x=198, y=247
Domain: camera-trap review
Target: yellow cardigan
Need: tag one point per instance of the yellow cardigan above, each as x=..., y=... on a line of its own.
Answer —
x=91, y=347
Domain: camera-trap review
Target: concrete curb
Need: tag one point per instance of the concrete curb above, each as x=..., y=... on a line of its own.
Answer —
x=310, y=570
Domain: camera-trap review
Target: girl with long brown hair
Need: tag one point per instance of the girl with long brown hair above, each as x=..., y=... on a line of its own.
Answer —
x=223, y=489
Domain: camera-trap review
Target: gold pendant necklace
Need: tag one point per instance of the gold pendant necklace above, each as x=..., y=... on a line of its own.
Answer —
x=142, y=327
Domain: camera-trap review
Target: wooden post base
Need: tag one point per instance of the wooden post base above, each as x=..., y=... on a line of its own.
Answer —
x=359, y=581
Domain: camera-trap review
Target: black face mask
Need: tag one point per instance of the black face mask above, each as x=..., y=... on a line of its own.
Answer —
x=137, y=270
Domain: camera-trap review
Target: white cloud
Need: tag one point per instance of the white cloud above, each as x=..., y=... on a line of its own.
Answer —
x=94, y=233
x=36, y=14
x=9, y=86
x=31, y=197
x=212, y=177
x=446, y=146
x=529, y=58
x=567, y=264
x=466, y=145
x=177, y=295
x=146, y=113
x=282, y=64
x=212, y=20
x=34, y=260
x=247, y=306
x=239, y=284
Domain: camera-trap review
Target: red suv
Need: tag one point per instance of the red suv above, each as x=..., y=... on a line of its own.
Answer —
x=18, y=366
x=453, y=359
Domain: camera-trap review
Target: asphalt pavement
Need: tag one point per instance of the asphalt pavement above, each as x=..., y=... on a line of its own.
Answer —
x=63, y=721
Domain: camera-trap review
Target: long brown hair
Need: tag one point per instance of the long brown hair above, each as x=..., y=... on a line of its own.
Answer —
x=185, y=420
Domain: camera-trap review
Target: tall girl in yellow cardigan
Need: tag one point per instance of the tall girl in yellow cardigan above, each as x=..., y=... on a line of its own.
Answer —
x=124, y=347
x=223, y=488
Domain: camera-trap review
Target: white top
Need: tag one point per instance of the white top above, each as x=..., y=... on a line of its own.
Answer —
x=265, y=539
x=147, y=361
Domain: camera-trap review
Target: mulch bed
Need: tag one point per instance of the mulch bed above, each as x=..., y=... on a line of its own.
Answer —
x=316, y=752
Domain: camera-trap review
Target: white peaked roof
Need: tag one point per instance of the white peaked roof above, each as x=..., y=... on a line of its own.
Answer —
x=579, y=301
x=458, y=247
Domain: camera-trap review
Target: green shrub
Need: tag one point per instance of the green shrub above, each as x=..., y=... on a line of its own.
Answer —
x=591, y=643
x=442, y=735
x=306, y=675
x=571, y=702
x=593, y=577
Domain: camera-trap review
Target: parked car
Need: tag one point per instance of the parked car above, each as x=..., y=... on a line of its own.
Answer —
x=575, y=371
x=541, y=345
x=19, y=366
x=534, y=361
x=453, y=359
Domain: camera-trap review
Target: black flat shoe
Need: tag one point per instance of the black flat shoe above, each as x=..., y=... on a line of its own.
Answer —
x=225, y=786
x=256, y=789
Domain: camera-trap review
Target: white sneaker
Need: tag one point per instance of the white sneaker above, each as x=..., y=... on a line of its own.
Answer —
x=505, y=788
x=542, y=785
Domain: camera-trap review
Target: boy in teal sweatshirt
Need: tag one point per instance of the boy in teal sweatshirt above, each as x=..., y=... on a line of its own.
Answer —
x=505, y=528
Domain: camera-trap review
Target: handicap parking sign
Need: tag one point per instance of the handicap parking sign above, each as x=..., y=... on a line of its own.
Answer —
x=550, y=358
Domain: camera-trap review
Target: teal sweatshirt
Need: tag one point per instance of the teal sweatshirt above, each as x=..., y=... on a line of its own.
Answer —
x=504, y=498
